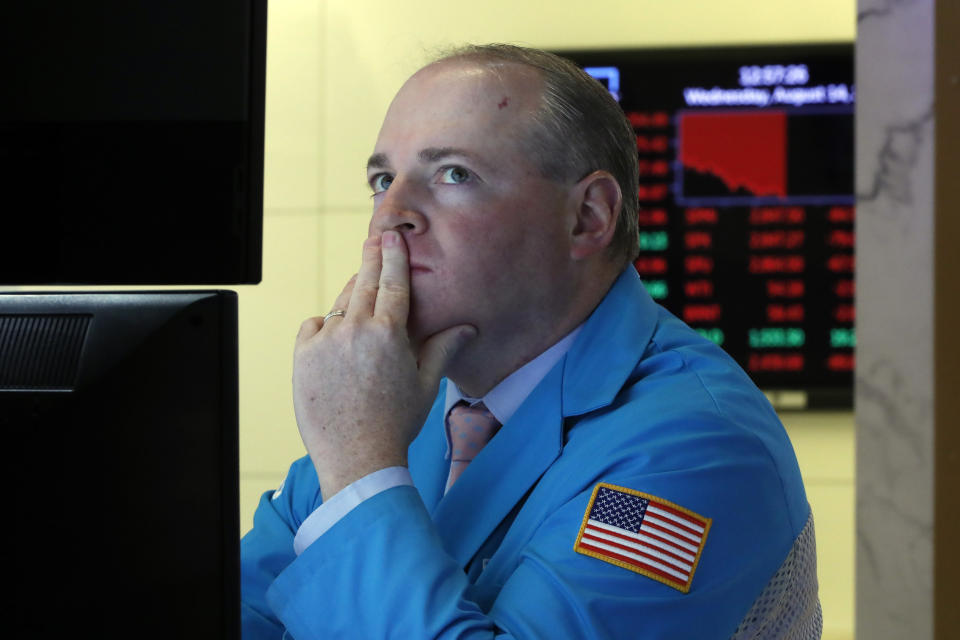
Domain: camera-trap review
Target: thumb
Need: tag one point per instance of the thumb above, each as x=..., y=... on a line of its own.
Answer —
x=439, y=349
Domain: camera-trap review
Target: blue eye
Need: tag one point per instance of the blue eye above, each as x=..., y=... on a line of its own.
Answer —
x=381, y=182
x=455, y=175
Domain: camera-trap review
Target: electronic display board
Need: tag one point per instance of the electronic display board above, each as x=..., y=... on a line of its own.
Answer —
x=746, y=202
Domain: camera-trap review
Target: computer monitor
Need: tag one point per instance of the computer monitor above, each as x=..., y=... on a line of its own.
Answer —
x=119, y=416
x=131, y=142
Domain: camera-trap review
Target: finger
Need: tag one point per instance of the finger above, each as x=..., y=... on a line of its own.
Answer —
x=393, y=299
x=311, y=326
x=343, y=300
x=368, y=281
x=308, y=329
x=439, y=350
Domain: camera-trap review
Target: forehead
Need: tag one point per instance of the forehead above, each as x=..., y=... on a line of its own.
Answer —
x=455, y=102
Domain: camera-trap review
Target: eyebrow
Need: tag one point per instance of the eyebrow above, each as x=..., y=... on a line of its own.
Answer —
x=378, y=161
x=430, y=154
x=435, y=154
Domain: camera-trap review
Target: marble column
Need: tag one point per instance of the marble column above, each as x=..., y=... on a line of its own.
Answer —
x=894, y=377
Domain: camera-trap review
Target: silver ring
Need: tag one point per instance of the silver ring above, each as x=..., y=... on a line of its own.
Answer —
x=336, y=313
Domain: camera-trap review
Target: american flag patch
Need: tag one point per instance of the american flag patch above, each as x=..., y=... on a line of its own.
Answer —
x=643, y=533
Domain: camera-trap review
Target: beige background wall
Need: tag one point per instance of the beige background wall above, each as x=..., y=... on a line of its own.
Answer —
x=332, y=69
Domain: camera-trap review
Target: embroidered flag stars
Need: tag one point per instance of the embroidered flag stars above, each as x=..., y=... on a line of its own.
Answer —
x=643, y=533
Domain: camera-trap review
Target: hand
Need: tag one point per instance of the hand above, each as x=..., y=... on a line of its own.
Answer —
x=361, y=390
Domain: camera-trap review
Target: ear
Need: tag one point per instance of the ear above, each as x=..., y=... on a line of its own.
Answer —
x=597, y=199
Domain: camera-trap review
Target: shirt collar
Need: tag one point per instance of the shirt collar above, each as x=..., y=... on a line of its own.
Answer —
x=505, y=398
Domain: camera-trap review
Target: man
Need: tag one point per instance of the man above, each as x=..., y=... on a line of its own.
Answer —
x=637, y=485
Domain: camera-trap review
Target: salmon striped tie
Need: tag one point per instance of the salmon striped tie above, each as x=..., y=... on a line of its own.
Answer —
x=469, y=429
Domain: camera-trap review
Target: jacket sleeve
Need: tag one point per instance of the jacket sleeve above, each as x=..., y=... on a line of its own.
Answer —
x=380, y=572
x=267, y=549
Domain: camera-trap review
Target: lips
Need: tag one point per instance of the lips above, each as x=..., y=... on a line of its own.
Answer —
x=419, y=268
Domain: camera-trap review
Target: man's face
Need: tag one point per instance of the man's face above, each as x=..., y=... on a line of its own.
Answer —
x=488, y=235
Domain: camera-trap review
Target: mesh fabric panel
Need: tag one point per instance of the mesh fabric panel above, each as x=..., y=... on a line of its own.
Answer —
x=788, y=608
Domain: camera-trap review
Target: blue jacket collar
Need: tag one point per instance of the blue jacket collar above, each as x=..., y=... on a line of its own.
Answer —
x=620, y=329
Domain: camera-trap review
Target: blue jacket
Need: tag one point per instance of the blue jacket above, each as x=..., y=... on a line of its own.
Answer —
x=641, y=402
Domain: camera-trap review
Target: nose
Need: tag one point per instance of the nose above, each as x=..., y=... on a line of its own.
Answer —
x=398, y=209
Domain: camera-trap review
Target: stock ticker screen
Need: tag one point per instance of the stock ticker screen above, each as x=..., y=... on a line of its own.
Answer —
x=746, y=203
